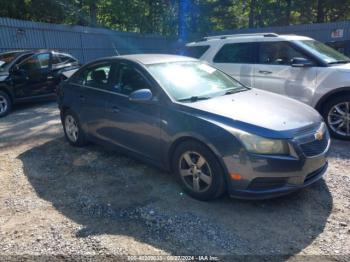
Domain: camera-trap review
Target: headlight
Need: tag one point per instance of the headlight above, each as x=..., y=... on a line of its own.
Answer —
x=260, y=145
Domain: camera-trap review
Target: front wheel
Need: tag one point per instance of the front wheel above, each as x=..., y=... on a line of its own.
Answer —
x=337, y=115
x=198, y=171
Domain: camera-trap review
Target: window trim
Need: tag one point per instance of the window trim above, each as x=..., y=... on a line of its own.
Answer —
x=98, y=89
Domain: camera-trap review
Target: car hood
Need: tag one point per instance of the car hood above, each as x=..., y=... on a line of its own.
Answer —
x=257, y=110
x=342, y=67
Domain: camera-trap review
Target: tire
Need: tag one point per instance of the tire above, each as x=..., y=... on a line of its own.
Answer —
x=336, y=113
x=5, y=104
x=72, y=129
x=204, y=179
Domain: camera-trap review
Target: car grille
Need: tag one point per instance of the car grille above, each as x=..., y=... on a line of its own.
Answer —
x=315, y=147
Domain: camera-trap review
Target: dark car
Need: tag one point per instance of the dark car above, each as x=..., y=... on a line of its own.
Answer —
x=31, y=75
x=190, y=118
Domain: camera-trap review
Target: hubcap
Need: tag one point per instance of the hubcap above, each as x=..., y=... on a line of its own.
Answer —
x=195, y=171
x=339, y=119
x=3, y=104
x=71, y=128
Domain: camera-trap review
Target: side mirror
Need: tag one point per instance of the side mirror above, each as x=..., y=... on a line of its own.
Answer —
x=301, y=62
x=141, y=95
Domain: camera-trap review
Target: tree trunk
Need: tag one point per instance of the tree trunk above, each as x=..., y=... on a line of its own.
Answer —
x=182, y=14
x=320, y=11
x=288, y=11
x=93, y=13
x=251, y=13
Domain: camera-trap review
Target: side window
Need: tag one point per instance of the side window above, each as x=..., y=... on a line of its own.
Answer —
x=236, y=53
x=30, y=64
x=44, y=60
x=278, y=53
x=66, y=59
x=96, y=76
x=59, y=59
x=195, y=51
x=21, y=59
x=130, y=80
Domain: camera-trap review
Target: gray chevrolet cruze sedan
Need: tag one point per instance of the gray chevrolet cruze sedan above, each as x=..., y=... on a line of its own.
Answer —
x=190, y=118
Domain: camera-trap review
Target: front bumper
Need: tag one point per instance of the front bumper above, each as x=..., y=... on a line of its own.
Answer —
x=279, y=191
x=271, y=176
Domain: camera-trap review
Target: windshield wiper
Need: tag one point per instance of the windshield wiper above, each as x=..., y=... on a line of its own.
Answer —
x=339, y=62
x=193, y=98
x=234, y=90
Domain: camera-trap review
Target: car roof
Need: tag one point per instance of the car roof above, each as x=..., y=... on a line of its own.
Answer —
x=247, y=38
x=14, y=52
x=148, y=59
x=30, y=51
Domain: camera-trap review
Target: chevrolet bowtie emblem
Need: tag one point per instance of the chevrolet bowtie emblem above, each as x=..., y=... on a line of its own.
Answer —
x=319, y=135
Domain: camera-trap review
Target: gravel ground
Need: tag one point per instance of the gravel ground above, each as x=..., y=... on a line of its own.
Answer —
x=91, y=203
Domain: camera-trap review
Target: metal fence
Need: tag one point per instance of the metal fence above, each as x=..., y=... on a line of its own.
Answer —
x=85, y=43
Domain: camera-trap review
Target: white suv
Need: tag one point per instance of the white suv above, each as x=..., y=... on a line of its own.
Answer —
x=296, y=66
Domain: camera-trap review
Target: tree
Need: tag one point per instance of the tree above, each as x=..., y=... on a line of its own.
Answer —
x=177, y=18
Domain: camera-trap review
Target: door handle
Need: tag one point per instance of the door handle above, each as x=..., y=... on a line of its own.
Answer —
x=265, y=72
x=115, y=109
x=49, y=77
x=82, y=98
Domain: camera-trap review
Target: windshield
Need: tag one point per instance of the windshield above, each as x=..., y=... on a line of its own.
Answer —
x=193, y=80
x=326, y=53
x=6, y=59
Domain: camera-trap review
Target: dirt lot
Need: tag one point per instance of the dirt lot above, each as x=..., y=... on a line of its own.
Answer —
x=84, y=203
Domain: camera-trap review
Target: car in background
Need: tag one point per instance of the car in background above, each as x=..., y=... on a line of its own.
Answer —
x=188, y=117
x=31, y=75
x=295, y=66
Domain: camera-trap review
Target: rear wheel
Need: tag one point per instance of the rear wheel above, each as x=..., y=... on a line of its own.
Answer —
x=5, y=104
x=198, y=171
x=72, y=129
x=336, y=112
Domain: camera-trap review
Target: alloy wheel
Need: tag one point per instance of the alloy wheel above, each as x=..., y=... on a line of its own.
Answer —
x=195, y=171
x=339, y=118
x=71, y=127
x=3, y=104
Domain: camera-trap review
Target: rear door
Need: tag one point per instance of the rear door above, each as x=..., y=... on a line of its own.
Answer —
x=237, y=60
x=275, y=73
x=94, y=85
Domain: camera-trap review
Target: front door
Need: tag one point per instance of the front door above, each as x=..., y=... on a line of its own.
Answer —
x=133, y=125
x=273, y=71
x=32, y=76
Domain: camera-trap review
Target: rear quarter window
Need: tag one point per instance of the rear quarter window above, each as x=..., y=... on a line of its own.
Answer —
x=236, y=53
x=195, y=51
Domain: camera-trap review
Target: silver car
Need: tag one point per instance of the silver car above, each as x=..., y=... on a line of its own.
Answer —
x=295, y=66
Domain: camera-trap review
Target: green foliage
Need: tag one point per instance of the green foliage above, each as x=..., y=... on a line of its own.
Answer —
x=162, y=16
